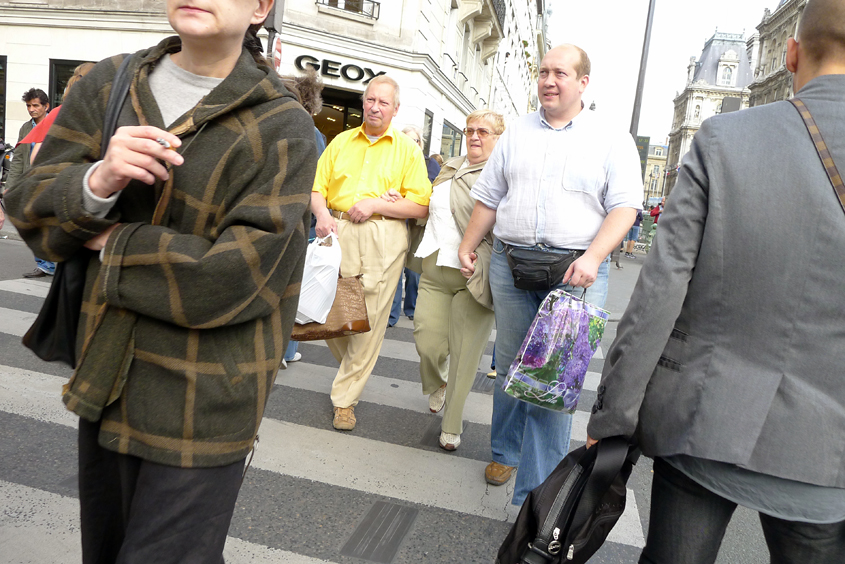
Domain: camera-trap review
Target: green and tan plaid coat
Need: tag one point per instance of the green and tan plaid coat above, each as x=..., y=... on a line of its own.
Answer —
x=186, y=321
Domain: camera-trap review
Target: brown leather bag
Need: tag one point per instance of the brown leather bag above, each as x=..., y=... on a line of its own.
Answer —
x=348, y=315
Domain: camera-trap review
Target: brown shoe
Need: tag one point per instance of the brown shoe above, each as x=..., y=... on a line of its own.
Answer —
x=37, y=273
x=344, y=418
x=498, y=474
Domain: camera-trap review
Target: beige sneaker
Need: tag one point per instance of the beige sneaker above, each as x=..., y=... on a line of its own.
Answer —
x=344, y=418
x=448, y=441
x=437, y=400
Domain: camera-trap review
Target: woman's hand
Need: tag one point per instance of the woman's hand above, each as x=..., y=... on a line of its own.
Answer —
x=98, y=242
x=468, y=261
x=134, y=154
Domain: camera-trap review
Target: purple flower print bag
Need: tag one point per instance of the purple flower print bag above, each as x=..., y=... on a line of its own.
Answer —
x=552, y=362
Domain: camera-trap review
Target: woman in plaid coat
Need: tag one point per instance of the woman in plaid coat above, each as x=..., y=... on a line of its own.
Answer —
x=198, y=213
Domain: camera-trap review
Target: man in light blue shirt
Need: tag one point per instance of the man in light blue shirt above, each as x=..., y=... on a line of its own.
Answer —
x=559, y=180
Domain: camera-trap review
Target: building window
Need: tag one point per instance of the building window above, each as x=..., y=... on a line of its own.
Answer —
x=658, y=151
x=656, y=170
x=727, y=76
x=450, y=144
x=60, y=72
x=366, y=8
x=427, y=124
x=3, y=102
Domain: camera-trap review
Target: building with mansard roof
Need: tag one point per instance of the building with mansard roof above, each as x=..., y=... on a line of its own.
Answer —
x=717, y=82
x=450, y=57
x=772, y=81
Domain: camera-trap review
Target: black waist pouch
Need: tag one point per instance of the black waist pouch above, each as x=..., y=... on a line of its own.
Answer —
x=538, y=270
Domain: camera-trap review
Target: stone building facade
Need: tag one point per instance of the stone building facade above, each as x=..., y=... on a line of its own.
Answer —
x=450, y=57
x=772, y=81
x=717, y=82
x=655, y=173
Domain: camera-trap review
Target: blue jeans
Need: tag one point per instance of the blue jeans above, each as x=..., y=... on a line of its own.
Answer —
x=412, y=284
x=45, y=266
x=532, y=438
x=291, y=350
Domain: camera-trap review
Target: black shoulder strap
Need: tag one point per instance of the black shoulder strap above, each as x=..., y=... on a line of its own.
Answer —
x=610, y=456
x=822, y=150
x=117, y=96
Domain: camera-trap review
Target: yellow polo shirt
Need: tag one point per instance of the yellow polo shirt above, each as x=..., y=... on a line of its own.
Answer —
x=352, y=169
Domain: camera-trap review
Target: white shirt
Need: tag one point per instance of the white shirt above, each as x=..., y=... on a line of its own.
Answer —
x=441, y=232
x=556, y=186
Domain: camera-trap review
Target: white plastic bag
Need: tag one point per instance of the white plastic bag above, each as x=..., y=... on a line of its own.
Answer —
x=319, y=279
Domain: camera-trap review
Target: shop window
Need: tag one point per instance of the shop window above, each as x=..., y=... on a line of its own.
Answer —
x=450, y=144
x=342, y=110
x=60, y=72
x=427, y=125
x=3, y=102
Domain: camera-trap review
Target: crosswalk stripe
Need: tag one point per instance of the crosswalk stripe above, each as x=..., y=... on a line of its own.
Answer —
x=15, y=322
x=35, y=288
x=38, y=526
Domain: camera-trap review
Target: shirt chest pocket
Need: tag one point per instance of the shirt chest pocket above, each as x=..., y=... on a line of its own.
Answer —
x=583, y=172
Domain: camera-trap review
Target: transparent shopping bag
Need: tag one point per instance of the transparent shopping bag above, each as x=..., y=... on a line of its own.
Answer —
x=552, y=362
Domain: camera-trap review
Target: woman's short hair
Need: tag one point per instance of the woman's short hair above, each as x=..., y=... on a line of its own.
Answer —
x=494, y=119
x=414, y=129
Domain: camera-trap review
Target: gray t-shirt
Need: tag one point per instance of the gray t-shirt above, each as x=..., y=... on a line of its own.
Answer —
x=175, y=91
x=785, y=499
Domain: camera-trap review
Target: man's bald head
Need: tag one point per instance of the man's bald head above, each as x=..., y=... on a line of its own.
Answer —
x=822, y=31
x=582, y=67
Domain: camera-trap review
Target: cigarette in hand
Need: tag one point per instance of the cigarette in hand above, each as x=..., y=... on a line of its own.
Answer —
x=164, y=143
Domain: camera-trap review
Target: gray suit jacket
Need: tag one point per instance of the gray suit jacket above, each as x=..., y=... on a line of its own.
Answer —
x=733, y=346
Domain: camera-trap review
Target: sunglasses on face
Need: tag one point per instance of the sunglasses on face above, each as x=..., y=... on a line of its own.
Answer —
x=482, y=133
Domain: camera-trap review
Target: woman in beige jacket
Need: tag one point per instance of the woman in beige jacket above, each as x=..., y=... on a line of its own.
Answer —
x=454, y=316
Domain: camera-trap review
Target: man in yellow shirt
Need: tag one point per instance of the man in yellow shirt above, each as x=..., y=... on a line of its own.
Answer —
x=354, y=171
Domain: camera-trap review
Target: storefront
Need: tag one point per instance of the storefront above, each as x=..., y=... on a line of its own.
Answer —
x=345, y=77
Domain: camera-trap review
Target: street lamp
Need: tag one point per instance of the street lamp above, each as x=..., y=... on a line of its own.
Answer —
x=638, y=99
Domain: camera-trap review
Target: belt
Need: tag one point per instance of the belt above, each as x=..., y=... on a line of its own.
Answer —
x=344, y=215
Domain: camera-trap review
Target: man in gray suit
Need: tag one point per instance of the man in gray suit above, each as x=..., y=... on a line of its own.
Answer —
x=729, y=364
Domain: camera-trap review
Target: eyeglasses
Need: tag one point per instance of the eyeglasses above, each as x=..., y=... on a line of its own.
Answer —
x=482, y=133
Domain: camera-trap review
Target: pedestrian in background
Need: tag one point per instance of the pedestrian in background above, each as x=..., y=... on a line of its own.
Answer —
x=39, y=132
x=38, y=107
x=727, y=365
x=633, y=235
x=310, y=89
x=357, y=167
x=455, y=316
x=559, y=181
x=202, y=248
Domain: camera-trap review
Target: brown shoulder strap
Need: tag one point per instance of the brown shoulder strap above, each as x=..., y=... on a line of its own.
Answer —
x=821, y=148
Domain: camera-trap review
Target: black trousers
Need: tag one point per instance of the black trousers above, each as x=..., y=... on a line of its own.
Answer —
x=687, y=523
x=136, y=511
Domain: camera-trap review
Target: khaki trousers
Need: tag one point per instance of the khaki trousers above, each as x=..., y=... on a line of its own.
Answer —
x=376, y=249
x=451, y=330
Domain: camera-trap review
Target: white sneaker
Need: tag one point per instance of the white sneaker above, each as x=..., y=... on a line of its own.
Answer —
x=448, y=441
x=437, y=400
x=296, y=357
